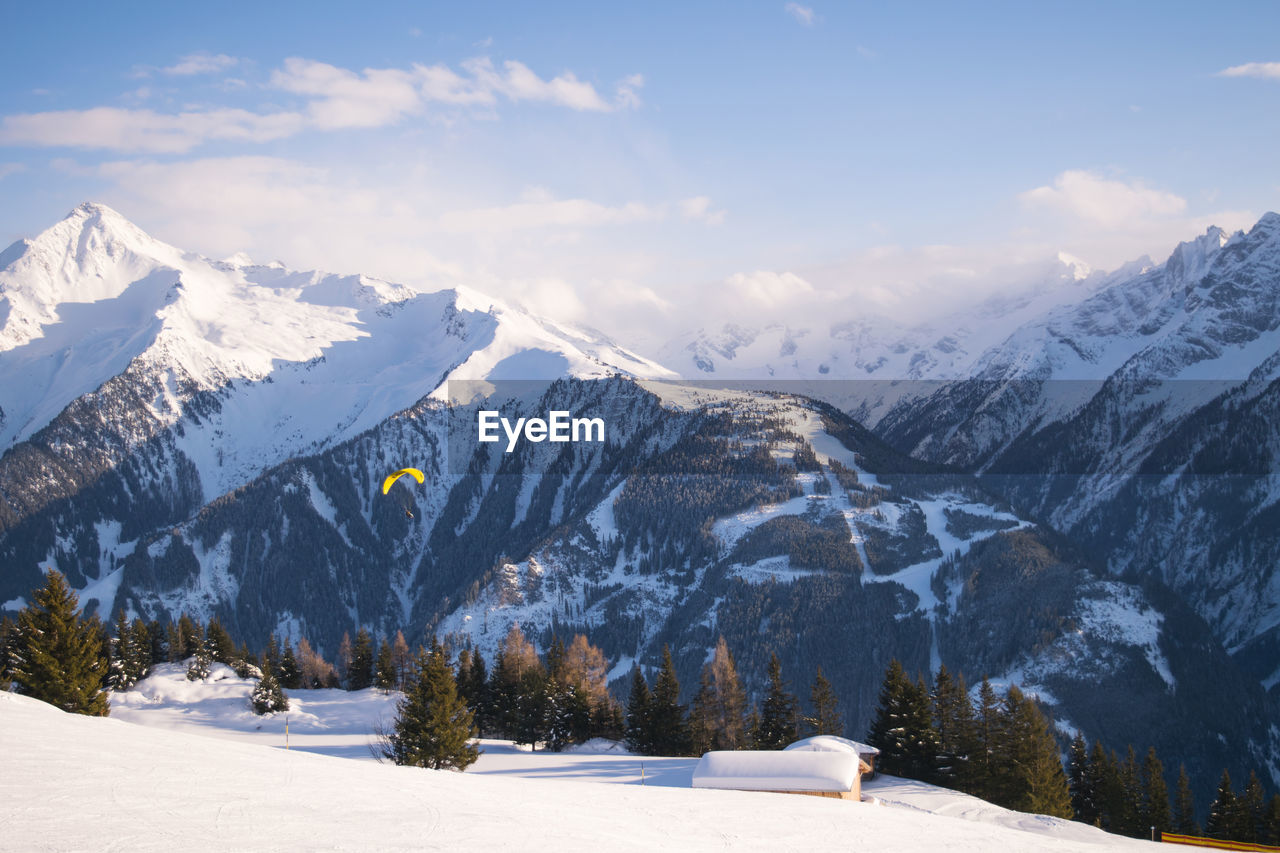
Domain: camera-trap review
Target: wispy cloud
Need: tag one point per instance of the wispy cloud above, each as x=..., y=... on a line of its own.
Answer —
x=335, y=98
x=803, y=14
x=201, y=63
x=1269, y=70
x=1091, y=197
x=144, y=130
x=7, y=169
x=698, y=209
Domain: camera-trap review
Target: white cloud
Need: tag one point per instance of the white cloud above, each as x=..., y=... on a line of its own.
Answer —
x=698, y=209
x=145, y=130
x=7, y=169
x=518, y=83
x=343, y=98
x=202, y=63
x=1268, y=70
x=803, y=14
x=335, y=98
x=768, y=289
x=544, y=212
x=1092, y=198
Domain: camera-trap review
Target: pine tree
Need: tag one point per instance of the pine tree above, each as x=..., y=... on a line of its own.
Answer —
x=953, y=718
x=1271, y=822
x=1184, y=806
x=159, y=648
x=8, y=647
x=981, y=770
x=778, y=713
x=59, y=657
x=360, y=674
x=267, y=696
x=271, y=657
x=1033, y=776
x=141, y=647
x=1224, y=812
x=1080, y=782
x=189, y=637
x=639, y=730
x=119, y=676
x=221, y=647
x=1105, y=768
x=384, y=670
x=201, y=662
x=1128, y=819
x=1155, y=795
x=433, y=727
x=669, y=730
x=1251, y=813
x=826, y=719
x=290, y=673
x=903, y=728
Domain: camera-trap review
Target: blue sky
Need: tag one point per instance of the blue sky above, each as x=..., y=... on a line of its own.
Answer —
x=648, y=167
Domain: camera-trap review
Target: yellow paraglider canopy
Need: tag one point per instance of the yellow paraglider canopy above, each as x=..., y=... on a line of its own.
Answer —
x=414, y=472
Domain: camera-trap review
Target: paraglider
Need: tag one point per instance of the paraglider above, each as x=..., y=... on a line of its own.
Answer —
x=391, y=479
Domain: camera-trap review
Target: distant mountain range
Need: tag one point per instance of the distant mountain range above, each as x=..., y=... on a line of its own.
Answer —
x=1072, y=488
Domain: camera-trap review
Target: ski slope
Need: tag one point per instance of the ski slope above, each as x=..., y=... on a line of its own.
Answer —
x=191, y=772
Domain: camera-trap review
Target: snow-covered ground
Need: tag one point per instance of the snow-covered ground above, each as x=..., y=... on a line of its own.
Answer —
x=181, y=765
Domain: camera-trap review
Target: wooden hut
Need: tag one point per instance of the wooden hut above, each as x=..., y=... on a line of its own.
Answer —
x=813, y=772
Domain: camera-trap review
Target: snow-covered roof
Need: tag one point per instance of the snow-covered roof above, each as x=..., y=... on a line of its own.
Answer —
x=758, y=770
x=831, y=743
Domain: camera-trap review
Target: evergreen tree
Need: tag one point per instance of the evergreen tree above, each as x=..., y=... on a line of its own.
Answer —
x=271, y=657
x=668, y=728
x=189, y=637
x=1251, y=813
x=201, y=662
x=433, y=727
x=267, y=696
x=173, y=642
x=1081, y=782
x=903, y=728
x=1127, y=818
x=384, y=671
x=1271, y=822
x=220, y=645
x=1032, y=772
x=59, y=656
x=953, y=718
x=159, y=648
x=290, y=673
x=8, y=647
x=639, y=730
x=1155, y=795
x=980, y=770
x=141, y=650
x=360, y=674
x=478, y=698
x=1224, y=812
x=119, y=676
x=1184, y=806
x=778, y=713
x=826, y=719
x=1109, y=787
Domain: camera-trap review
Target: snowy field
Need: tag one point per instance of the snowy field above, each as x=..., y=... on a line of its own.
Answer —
x=182, y=765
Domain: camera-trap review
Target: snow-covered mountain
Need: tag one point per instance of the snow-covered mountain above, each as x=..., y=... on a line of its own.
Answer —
x=191, y=435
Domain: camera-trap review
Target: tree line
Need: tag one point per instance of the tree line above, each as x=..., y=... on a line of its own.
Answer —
x=1003, y=750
